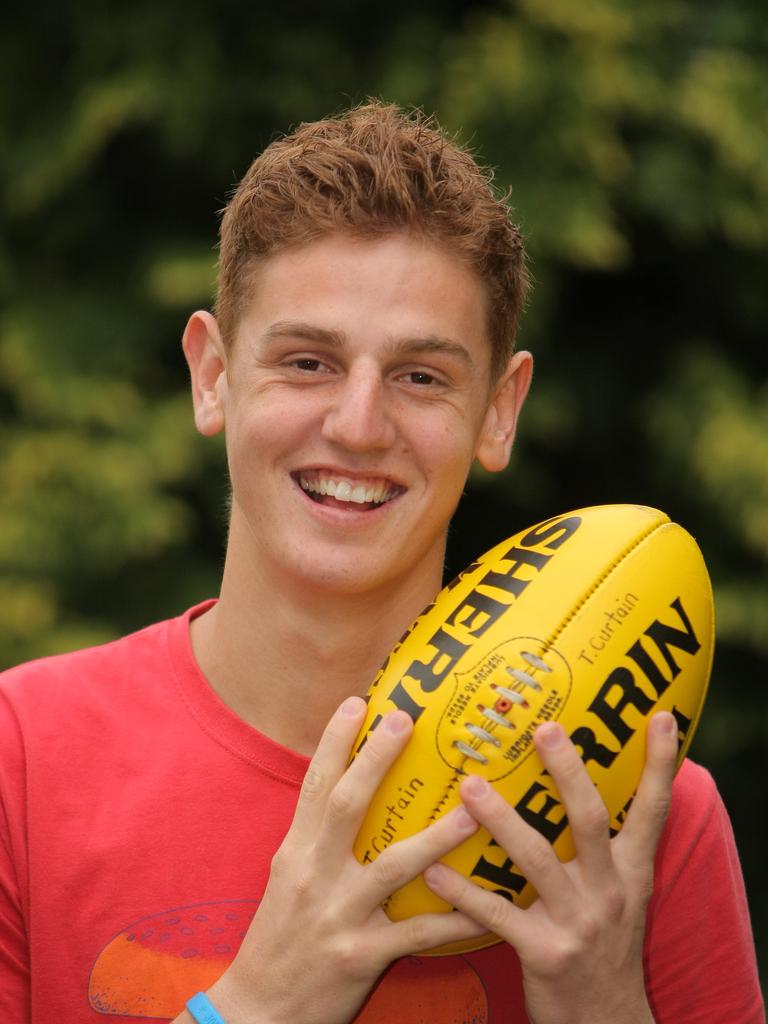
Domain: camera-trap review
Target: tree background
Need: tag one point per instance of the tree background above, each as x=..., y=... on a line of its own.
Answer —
x=635, y=136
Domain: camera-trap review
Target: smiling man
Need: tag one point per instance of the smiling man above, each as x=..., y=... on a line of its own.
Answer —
x=177, y=811
x=355, y=393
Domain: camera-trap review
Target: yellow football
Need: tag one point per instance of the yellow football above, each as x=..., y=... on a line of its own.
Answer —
x=597, y=619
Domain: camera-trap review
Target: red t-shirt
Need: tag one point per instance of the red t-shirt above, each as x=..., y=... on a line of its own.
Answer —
x=138, y=819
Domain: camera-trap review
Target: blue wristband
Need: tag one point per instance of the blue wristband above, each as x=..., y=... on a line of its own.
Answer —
x=203, y=1011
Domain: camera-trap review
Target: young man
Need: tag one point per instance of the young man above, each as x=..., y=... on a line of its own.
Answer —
x=164, y=831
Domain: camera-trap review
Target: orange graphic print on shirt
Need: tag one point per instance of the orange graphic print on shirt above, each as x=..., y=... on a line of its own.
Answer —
x=152, y=967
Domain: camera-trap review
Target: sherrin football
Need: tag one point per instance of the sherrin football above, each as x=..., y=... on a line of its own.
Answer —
x=596, y=619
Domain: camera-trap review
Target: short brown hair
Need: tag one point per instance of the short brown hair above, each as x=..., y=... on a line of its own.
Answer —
x=371, y=171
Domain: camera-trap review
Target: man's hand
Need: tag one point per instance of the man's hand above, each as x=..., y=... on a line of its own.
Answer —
x=320, y=939
x=581, y=942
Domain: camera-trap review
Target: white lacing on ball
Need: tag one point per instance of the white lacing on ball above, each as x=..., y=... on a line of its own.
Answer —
x=494, y=716
x=470, y=751
x=536, y=661
x=523, y=677
x=483, y=735
x=513, y=695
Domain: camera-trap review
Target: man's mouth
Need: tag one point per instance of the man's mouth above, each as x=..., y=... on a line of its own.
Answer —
x=327, y=488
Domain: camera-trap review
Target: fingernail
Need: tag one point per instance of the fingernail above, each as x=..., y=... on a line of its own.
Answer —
x=666, y=722
x=550, y=735
x=352, y=707
x=434, y=874
x=397, y=722
x=474, y=785
x=464, y=820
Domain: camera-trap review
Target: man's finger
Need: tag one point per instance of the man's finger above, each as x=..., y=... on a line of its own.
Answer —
x=407, y=859
x=424, y=932
x=587, y=814
x=350, y=797
x=531, y=853
x=491, y=912
x=640, y=835
x=327, y=766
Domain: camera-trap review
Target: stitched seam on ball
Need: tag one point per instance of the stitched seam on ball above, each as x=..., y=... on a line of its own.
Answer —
x=598, y=584
x=551, y=640
x=448, y=790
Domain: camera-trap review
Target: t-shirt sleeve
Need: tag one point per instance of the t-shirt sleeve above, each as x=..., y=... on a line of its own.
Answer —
x=14, y=948
x=700, y=955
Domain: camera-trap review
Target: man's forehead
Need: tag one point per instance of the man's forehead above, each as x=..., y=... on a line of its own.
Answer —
x=414, y=294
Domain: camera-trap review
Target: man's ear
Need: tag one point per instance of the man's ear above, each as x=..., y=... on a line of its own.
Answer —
x=498, y=433
x=206, y=358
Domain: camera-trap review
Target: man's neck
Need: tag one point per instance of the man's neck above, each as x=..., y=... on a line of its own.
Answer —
x=283, y=658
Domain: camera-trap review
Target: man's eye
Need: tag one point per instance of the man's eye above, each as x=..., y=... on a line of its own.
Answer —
x=310, y=365
x=420, y=377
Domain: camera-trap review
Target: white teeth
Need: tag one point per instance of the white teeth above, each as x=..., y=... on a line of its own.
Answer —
x=347, y=490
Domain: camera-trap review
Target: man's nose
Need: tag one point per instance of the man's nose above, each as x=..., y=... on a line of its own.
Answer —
x=360, y=414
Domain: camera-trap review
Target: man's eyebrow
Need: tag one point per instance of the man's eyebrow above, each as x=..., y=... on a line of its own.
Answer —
x=305, y=331
x=430, y=343
x=416, y=345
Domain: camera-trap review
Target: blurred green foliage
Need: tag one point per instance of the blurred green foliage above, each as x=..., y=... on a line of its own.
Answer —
x=635, y=137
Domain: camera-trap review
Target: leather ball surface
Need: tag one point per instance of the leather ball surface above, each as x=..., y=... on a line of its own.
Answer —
x=597, y=619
